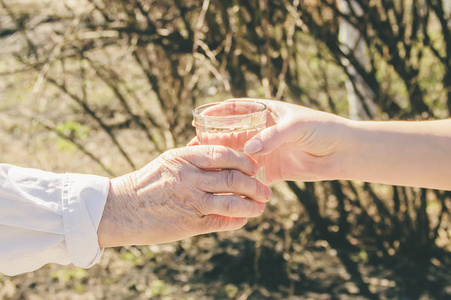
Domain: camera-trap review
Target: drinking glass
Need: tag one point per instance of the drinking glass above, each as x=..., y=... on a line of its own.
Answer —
x=231, y=123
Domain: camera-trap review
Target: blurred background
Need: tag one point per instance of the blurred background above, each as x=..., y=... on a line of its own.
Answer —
x=104, y=87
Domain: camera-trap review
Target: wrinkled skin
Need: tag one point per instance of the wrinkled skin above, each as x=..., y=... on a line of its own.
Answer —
x=181, y=194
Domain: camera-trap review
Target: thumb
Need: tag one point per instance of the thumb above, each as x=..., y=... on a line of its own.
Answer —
x=194, y=142
x=268, y=140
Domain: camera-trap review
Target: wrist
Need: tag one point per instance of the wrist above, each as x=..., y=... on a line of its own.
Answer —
x=369, y=151
x=114, y=222
x=106, y=225
x=350, y=150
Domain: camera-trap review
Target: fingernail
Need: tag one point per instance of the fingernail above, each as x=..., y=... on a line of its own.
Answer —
x=261, y=207
x=253, y=147
x=268, y=193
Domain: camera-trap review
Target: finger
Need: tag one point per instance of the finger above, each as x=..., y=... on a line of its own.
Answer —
x=194, y=142
x=232, y=181
x=214, y=223
x=220, y=157
x=231, y=206
x=270, y=139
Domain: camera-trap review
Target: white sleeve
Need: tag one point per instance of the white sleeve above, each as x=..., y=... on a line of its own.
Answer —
x=49, y=218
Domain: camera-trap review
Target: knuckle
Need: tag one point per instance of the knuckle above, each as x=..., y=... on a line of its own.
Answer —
x=187, y=226
x=168, y=155
x=215, y=223
x=207, y=182
x=171, y=165
x=204, y=204
x=229, y=206
x=218, y=153
x=221, y=223
x=231, y=179
x=209, y=153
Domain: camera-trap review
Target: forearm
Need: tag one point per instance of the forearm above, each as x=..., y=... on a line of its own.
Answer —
x=398, y=153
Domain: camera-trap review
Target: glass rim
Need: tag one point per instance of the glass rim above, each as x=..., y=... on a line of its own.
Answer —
x=207, y=105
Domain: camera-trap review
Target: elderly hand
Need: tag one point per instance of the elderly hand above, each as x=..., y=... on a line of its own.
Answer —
x=182, y=193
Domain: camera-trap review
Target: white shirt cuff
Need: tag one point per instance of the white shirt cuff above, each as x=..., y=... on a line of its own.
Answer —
x=83, y=201
x=49, y=218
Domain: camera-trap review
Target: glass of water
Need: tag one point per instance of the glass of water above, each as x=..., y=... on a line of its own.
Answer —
x=231, y=123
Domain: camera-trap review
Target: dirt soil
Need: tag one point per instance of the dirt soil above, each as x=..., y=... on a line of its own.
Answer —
x=257, y=262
